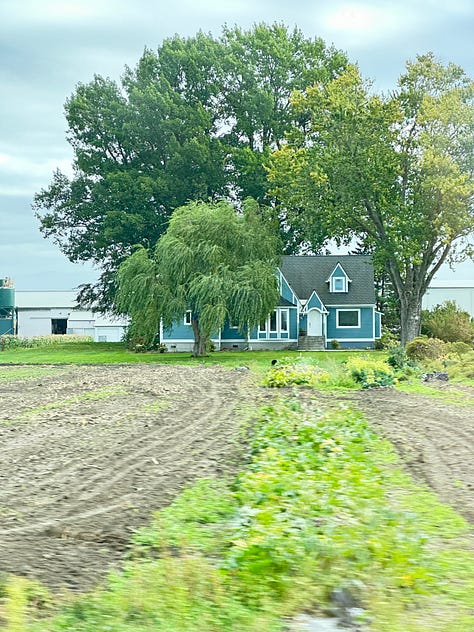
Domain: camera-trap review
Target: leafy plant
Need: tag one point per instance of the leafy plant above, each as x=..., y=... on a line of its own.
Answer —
x=448, y=322
x=288, y=373
x=371, y=373
x=423, y=348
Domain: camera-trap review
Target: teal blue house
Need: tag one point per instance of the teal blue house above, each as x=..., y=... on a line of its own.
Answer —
x=322, y=299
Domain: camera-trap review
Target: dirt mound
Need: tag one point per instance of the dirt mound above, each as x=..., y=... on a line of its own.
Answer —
x=89, y=452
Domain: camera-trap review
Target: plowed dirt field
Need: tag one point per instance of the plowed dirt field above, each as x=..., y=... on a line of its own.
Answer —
x=87, y=453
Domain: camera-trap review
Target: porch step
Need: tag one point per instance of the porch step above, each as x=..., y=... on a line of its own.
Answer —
x=311, y=343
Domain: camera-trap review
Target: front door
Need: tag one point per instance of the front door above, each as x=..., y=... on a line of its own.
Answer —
x=315, y=323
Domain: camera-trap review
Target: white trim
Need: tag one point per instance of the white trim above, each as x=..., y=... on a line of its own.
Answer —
x=296, y=300
x=286, y=310
x=173, y=340
x=190, y=312
x=161, y=330
x=322, y=309
x=270, y=330
x=354, y=339
x=273, y=340
x=334, y=270
x=354, y=305
x=345, y=282
x=338, y=326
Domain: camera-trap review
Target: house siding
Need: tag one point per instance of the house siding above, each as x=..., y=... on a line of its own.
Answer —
x=364, y=331
x=285, y=290
x=378, y=324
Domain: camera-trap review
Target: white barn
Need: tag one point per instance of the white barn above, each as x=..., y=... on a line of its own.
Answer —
x=44, y=312
x=459, y=290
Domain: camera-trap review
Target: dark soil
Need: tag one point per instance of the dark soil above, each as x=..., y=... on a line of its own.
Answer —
x=435, y=439
x=88, y=453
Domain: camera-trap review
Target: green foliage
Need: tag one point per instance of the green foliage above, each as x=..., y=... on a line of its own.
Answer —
x=335, y=344
x=397, y=357
x=371, y=373
x=395, y=170
x=216, y=263
x=448, y=322
x=194, y=120
x=388, y=340
x=458, y=348
x=14, y=342
x=460, y=367
x=423, y=348
x=288, y=373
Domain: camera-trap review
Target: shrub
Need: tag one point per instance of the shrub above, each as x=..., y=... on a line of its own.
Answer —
x=14, y=342
x=335, y=344
x=448, y=322
x=458, y=348
x=371, y=373
x=424, y=348
x=388, y=340
x=287, y=373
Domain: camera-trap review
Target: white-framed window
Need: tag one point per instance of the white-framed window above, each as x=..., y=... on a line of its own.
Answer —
x=347, y=318
x=262, y=326
x=273, y=322
x=284, y=320
x=338, y=284
x=188, y=317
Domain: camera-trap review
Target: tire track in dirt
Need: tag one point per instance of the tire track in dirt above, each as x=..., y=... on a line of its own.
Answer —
x=54, y=498
x=133, y=460
x=434, y=438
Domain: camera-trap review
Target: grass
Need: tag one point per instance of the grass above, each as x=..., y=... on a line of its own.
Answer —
x=87, y=396
x=15, y=374
x=116, y=353
x=451, y=396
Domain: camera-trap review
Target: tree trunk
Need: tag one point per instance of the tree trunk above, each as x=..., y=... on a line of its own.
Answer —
x=199, y=348
x=410, y=319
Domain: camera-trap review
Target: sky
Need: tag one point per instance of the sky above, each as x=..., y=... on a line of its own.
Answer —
x=48, y=46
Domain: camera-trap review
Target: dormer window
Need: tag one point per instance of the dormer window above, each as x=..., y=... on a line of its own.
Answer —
x=338, y=280
x=339, y=284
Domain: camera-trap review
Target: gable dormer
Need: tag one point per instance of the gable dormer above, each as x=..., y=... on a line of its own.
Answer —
x=338, y=280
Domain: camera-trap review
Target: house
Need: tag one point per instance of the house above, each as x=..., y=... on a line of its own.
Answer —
x=322, y=299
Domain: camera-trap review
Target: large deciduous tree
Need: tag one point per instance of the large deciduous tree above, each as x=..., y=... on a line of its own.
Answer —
x=195, y=120
x=212, y=261
x=395, y=172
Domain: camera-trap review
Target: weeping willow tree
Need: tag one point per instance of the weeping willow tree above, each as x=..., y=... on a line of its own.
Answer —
x=212, y=261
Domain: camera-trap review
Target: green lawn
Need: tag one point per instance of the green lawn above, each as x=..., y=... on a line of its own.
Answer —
x=116, y=353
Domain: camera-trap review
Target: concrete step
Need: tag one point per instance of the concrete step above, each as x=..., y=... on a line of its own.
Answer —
x=311, y=343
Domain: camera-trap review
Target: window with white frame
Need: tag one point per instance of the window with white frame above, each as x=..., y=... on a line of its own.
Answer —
x=347, y=318
x=284, y=314
x=274, y=321
x=339, y=284
x=262, y=326
x=188, y=317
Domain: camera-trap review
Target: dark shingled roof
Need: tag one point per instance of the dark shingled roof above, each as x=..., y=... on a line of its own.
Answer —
x=306, y=273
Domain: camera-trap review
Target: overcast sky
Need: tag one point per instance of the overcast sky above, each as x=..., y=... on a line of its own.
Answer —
x=48, y=46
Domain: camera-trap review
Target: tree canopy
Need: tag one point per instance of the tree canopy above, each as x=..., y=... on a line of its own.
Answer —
x=195, y=120
x=395, y=172
x=212, y=261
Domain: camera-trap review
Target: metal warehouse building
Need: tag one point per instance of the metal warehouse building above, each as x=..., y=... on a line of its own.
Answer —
x=43, y=312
